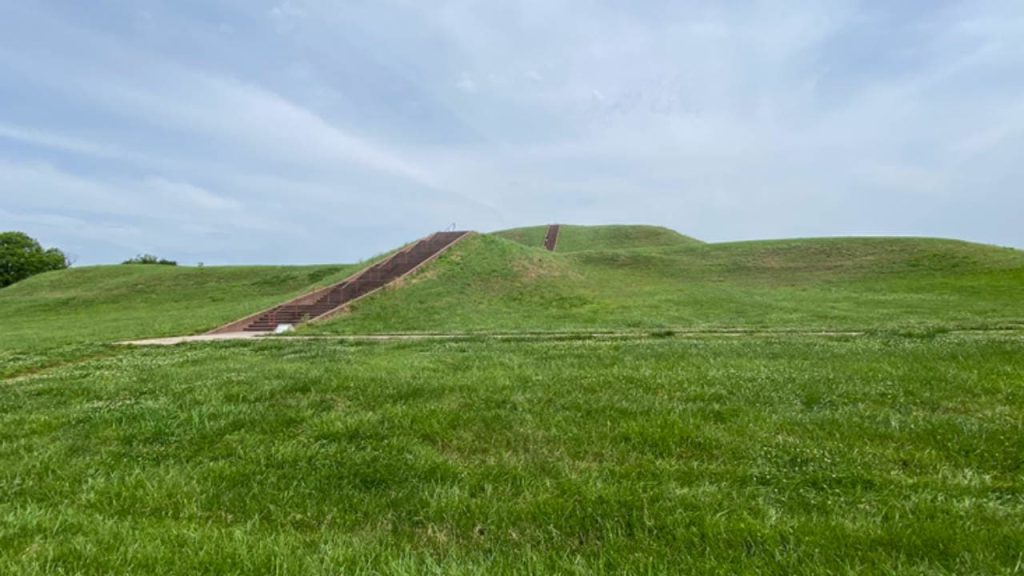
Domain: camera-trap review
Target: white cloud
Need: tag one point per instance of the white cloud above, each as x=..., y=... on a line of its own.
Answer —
x=251, y=119
x=62, y=142
x=190, y=196
x=287, y=15
x=466, y=84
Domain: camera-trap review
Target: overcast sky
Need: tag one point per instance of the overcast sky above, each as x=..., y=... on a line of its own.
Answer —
x=294, y=131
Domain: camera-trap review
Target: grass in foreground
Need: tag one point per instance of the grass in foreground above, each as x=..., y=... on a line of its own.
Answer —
x=709, y=456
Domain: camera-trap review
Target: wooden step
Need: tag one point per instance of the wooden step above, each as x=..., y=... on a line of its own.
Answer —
x=353, y=288
x=551, y=239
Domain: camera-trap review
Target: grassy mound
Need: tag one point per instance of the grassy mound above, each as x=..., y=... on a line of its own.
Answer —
x=615, y=237
x=489, y=283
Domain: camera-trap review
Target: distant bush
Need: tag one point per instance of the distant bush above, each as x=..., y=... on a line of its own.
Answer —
x=21, y=256
x=150, y=259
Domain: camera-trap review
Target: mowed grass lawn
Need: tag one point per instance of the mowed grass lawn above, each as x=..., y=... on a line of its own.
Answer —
x=713, y=455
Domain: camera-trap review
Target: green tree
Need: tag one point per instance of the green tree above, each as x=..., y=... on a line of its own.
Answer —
x=21, y=256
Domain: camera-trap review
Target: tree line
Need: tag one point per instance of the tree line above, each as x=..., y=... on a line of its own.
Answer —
x=22, y=256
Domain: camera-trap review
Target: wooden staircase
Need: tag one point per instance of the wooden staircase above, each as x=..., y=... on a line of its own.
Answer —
x=329, y=301
x=551, y=240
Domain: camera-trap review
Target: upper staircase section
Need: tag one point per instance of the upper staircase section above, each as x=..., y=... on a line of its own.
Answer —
x=551, y=238
x=567, y=239
x=329, y=301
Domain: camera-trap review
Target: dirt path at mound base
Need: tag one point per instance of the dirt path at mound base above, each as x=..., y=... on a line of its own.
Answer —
x=543, y=336
x=171, y=341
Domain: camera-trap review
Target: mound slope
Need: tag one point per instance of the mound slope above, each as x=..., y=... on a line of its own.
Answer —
x=496, y=284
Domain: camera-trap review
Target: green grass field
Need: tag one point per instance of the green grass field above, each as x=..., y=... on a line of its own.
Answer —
x=840, y=406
